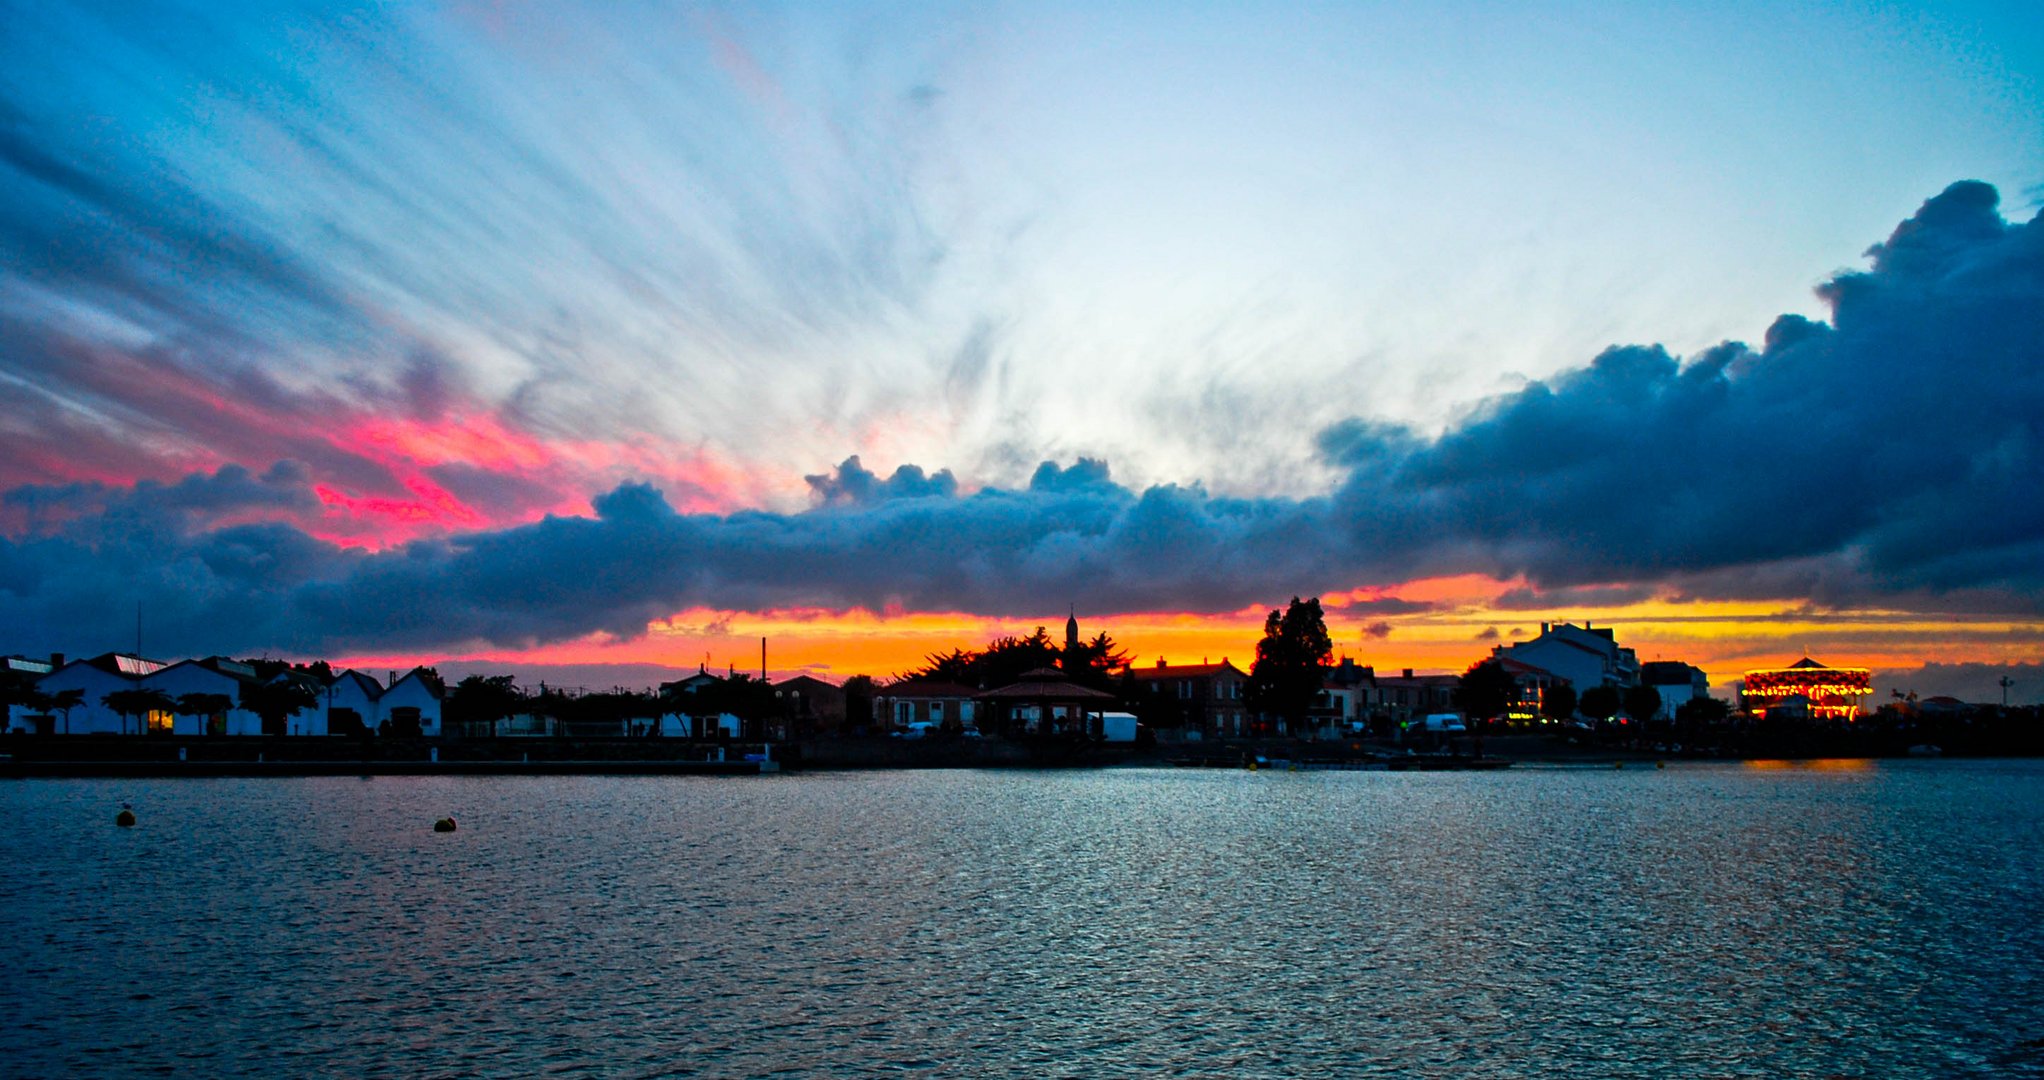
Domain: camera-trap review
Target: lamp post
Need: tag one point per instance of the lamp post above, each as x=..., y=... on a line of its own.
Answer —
x=2006, y=682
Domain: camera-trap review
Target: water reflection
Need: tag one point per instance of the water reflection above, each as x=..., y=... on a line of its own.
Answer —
x=1722, y=921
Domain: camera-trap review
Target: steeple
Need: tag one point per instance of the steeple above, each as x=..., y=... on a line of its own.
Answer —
x=1072, y=630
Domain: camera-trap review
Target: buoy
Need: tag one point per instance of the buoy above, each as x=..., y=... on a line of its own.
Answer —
x=1618, y=764
x=125, y=819
x=1660, y=764
x=445, y=824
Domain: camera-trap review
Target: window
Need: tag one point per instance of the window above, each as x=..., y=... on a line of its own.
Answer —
x=937, y=712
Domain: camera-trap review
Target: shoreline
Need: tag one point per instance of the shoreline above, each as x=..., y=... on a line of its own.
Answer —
x=156, y=757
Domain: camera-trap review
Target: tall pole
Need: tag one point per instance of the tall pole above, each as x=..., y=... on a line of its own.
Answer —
x=2006, y=682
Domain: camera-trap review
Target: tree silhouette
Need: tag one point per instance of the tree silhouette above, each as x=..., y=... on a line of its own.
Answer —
x=1486, y=690
x=1601, y=702
x=1097, y=663
x=137, y=701
x=1642, y=703
x=482, y=699
x=64, y=701
x=198, y=705
x=859, y=692
x=1291, y=661
x=1559, y=702
x=275, y=701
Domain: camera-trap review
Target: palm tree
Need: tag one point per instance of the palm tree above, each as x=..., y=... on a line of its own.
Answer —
x=198, y=705
x=137, y=702
x=64, y=701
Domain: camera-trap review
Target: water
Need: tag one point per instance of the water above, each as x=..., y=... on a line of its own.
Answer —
x=1871, y=920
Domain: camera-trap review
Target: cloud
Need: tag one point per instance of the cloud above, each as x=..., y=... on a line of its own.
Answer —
x=853, y=484
x=1893, y=451
x=1488, y=633
x=1377, y=630
x=1887, y=450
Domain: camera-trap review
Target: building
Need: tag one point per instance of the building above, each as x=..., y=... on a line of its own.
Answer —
x=1678, y=684
x=95, y=679
x=1828, y=693
x=809, y=705
x=1044, y=701
x=1202, y=698
x=1534, y=684
x=352, y=707
x=1587, y=656
x=924, y=701
x=411, y=705
x=1347, y=697
x=216, y=677
x=1407, y=696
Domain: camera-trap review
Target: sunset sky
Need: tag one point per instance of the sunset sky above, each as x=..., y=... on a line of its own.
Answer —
x=587, y=340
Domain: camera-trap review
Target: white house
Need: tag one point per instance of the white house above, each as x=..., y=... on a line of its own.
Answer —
x=95, y=679
x=1587, y=657
x=412, y=705
x=349, y=704
x=214, y=675
x=1678, y=683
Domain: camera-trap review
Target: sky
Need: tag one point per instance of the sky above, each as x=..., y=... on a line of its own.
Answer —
x=602, y=340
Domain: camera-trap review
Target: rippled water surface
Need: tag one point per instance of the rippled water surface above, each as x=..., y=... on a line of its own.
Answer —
x=1855, y=920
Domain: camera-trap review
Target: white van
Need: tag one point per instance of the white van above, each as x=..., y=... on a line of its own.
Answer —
x=1444, y=723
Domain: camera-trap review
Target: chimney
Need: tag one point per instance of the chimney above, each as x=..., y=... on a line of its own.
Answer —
x=1408, y=673
x=1160, y=663
x=1543, y=628
x=56, y=660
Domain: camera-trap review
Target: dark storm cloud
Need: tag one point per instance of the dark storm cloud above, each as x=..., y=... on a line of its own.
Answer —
x=1902, y=438
x=1892, y=452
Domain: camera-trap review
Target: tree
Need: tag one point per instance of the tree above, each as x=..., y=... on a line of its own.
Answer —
x=203, y=705
x=482, y=699
x=1642, y=703
x=1006, y=659
x=137, y=702
x=1559, y=703
x=276, y=700
x=64, y=701
x=16, y=688
x=1096, y=663
x=1703, y=712
x=956, y=666
x=1487, y=690
x=859, y=692
x=1601, y=702
x=1291, y=661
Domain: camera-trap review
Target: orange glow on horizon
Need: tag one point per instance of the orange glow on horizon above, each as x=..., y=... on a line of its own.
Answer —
x=1724, y=639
